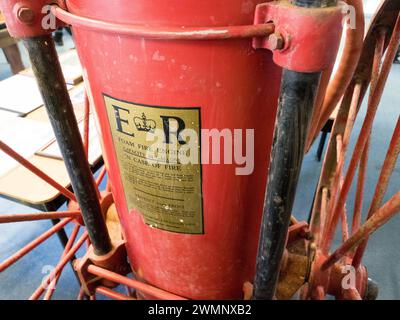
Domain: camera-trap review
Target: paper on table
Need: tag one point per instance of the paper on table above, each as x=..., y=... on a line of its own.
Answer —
x=20, y=94
x=52, y=150
x=24, y=136
x=71, y=67
x=77, y=94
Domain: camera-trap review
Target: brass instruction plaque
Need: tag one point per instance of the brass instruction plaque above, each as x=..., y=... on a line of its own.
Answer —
x=159, y=163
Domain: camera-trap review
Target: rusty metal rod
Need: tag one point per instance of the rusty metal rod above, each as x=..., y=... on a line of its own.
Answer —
x=47, y=70
x=101, y=176
x=365, y=130
x=382, y=185
x=86, y=125
x=376, y=67
x=342, y=143
x=297, y=98
x=323, y=214
x=112, y=294
x=342, y=146
x=339, y=83
x=378, y=219
x=345, y=225
x=358, y=202
x=33, y=244
x=35, y=170
x=140, y=286
x=51, y=288
x=10, y=218
x=61, y=264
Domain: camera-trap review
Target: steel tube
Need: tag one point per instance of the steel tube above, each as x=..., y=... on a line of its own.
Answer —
x=295, y=109
x=297, y=98
x=50, y=79
x=86, y=124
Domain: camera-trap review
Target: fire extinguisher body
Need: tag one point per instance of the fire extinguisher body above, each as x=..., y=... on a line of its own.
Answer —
x=191, y=229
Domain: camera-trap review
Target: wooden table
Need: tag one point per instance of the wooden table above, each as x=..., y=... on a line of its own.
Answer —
x=10, y=48
x=22, y=186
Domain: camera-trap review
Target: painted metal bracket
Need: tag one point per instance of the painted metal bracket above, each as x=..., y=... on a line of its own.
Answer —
x=30, y=18
x=305, y=39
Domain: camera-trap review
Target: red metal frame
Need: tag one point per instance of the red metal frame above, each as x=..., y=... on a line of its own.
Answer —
x=144, y=288
x=330, y=204
x=365, y=131
x=32, y=245
x=24, y=17
x=333, y=92
x=301, y=30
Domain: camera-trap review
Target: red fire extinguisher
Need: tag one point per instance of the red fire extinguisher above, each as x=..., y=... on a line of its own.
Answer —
x=165, y=75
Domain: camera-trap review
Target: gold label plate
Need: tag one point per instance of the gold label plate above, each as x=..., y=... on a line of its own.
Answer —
x=167, y=193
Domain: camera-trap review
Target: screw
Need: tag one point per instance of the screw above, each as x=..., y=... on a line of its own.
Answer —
x=276, y=41
x=26, y=15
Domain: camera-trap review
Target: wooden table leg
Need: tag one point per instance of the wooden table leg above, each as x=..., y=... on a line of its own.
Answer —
x=13, y=57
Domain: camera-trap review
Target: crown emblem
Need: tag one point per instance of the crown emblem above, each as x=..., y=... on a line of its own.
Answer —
x=144, y=124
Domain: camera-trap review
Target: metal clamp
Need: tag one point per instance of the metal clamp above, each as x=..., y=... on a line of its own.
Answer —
x=305, y=39
x=30, y=18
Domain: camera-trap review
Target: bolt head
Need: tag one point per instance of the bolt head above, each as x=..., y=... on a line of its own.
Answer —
x=372, y=290
x=276, y=41
x=26, y=15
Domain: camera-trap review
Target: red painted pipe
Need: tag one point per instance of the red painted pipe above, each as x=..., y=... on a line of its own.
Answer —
x=379, y=218
x=101, y=176
x=38, y=216
x=366, y=128
x=33, y=244
x=140, y=286
x=38, y=292
x=165, y=33
x=381, y=187
x=71, y=240
x=344, y=74
x=112, y=294
x=9, y=151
